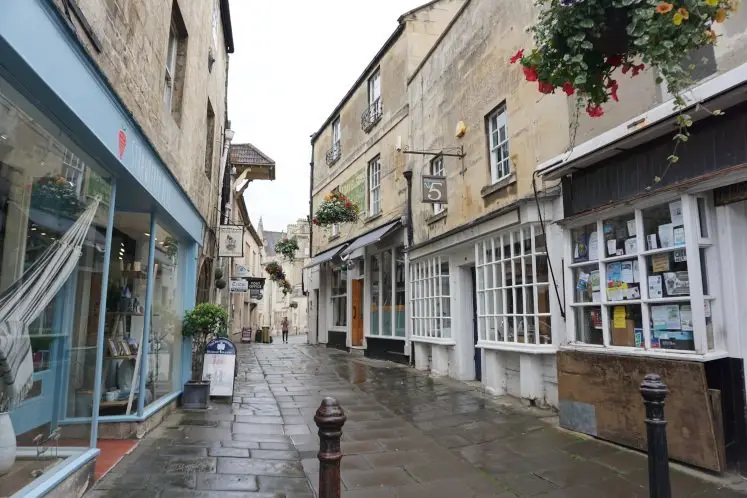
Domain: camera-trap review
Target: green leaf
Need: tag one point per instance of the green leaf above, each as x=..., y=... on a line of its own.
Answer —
x=673, y=158
x=580, y=80
x=657, y=179
x=681, y=137
x=668, y=43
x=718, y=112
x=587, y=45
x=578, y=37
x=587, y=23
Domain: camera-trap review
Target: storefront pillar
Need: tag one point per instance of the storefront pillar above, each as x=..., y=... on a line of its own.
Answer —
x=145, y=342
x=191, y=256
x=530, y=377
x=102, y=317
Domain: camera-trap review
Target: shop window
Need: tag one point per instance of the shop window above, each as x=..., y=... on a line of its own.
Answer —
x=387, y=290
x=339, y=297
x=431, y=307
x=637, y=285
x=54, y=205
x=513, y=289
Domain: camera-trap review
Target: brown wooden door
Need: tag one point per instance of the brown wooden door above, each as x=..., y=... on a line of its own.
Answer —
x=357, y=323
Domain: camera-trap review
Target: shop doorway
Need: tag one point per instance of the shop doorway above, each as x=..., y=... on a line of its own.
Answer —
x=475, y=335
x=357, y=313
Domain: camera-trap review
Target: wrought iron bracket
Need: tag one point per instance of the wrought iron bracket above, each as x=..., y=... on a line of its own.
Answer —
x=445, y=152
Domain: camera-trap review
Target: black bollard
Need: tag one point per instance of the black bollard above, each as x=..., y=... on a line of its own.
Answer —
x=329, y=418
x=654, y=392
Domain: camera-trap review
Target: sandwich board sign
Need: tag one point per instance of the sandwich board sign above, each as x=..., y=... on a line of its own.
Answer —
x=219, y=366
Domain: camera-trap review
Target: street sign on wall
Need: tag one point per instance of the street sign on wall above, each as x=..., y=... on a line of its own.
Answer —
x=241, y=271
x=231, y=241
x=239, y=285
x=434, y=189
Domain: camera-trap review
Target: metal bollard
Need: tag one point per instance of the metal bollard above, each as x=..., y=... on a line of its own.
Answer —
x=654, y=392
x=329, y=418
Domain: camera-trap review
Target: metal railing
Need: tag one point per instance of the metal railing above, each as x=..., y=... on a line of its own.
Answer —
x=334, y=154
x=372, y=115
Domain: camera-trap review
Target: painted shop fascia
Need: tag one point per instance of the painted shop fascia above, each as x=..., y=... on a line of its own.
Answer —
x=138, y=257
x=635, y=250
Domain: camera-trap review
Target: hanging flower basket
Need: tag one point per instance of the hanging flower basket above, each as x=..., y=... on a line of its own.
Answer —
x=334, y=209
x=287, y=248
x=286, y=287
x=580, y=43
x=275, y=271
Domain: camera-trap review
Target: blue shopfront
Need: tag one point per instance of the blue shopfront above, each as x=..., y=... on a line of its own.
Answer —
x=98, y=253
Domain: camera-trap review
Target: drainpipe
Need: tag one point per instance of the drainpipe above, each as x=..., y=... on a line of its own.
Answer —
x=408, y=208
x=228, y=136
x=311, y=243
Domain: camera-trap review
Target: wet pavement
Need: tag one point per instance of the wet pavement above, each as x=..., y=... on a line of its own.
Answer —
x=406, y=436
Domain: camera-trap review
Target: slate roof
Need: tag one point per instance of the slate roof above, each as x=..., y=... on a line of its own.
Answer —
x=249, y=155
x=272, y=238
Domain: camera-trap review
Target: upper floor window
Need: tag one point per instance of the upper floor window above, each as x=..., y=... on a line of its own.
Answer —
x=500, y=166
x=334, y=153
x=175, y=63
x=374, y=110
x=374, y=186
x=437, y=169
x=209, y=141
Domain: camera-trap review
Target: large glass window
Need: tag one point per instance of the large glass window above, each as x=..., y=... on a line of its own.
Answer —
x=54, y=204
x=339, y=297
x=387, y=285
x=430, y=298
x=513, y=289
x=636, y=285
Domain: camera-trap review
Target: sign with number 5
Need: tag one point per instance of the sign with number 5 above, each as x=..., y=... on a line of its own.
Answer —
x=434, y=189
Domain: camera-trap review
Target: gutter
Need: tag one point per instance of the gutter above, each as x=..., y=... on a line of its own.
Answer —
x=646, y=126
x=311, y=216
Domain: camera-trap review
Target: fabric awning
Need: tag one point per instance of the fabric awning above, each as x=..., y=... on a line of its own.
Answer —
x=370, y=238
x=325, y=256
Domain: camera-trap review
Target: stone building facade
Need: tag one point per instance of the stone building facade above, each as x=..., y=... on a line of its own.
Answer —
x=355, y=152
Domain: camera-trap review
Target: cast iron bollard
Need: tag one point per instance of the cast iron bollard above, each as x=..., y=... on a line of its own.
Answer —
x=329, y=418
x=654, y=392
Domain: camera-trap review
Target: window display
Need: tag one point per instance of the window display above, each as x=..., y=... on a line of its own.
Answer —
x=648, y=297
x=387, y=288
x=431, y=308
x=339, y=297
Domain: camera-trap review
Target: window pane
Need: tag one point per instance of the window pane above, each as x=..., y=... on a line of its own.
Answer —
x=626, y=326
x=668, y=275
x=702, y=217
x=399, y=313
x=587, y=284
x=672, y=326
x=664, y=226
x=386, y=293
x=620, y=236
x=585, y=243
x=589, y=325
x=622, y=280
x=375, y=294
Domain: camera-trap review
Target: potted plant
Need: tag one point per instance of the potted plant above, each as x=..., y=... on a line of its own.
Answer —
x=334, y=209
x=203, y=323
x=286, y=287
x=581, y=46
x=287, y=248
x=7, y=435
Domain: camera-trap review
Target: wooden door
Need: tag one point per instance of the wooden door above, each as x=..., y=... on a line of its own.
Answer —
x=357, y=323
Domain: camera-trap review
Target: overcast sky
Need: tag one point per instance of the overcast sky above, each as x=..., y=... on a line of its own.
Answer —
x=294, y=61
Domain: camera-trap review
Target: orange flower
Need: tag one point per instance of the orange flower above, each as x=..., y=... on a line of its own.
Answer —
x=664, y=7
x=720, y=15
x=710, y=36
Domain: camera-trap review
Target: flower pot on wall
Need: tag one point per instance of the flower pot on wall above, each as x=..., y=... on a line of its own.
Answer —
x=196, y=395
x=7, y=443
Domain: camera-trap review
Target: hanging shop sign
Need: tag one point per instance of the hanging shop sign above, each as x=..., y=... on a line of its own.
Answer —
x=255, y=294
x=241, y=271
x=231, y=241
x=239, y=285
x=256, y=283
x=219, y=366
x=434, y=189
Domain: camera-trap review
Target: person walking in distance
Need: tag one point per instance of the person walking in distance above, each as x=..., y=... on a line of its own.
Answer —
x=284, y=325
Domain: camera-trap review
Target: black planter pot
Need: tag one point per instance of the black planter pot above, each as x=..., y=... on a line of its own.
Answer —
x=196, y=394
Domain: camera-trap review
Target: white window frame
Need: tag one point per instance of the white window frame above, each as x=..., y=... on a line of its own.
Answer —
x=338, y=297
x=428, y=317
x=438, y=169
x=374, y=87
x=170, y=73
x=393, y=251
x=374, y=186
x=74, y=170
x=706, y=344
x=500, y=167
x=496, y=327
x=336, y=132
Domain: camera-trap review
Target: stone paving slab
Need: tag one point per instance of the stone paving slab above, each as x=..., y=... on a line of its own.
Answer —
x=406, y=436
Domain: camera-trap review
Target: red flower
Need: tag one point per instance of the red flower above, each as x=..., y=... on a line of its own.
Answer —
x=530, y=73
x=315, y=221
x=568, y=88
x=614, y=60
x=348, y=204
x=613, y=86
x=626, y=68
x=517, y=56
x=594, y=111
x=637, y=69
x=545, y=87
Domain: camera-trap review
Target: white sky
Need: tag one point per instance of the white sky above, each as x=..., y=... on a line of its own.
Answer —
x=293, y=63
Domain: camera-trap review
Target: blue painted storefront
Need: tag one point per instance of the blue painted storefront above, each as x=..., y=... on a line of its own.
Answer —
x=42, y=60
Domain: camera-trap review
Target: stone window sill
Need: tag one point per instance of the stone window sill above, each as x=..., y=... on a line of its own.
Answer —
x=371, y=218
x=490, y=190
x=436, y=217
x=333, y=237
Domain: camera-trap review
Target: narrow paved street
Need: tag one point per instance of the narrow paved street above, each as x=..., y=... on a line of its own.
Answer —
x=406, y=436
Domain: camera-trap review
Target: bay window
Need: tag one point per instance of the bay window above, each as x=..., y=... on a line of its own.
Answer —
x=640, y=279
x=430, y=298
x=513, y=289
x=387, y=291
